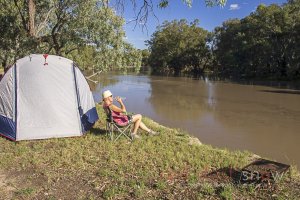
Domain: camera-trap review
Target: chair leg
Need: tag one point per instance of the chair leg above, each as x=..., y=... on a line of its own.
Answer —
x=111, y=127
x=129, y=132
x=123, y=131
x=109, y=130
x=112, y=132
x=106, y=129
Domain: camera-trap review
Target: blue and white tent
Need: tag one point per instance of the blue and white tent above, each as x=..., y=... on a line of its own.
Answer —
x=45, y=96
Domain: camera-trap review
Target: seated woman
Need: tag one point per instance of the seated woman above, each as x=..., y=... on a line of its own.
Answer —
x=119, y=116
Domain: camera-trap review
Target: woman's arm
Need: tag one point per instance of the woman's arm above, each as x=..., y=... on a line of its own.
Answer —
x=116, y=108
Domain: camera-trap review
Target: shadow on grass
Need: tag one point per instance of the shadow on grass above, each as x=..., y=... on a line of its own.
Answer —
x=224, y=175
x=97, y=131
x=6, y=138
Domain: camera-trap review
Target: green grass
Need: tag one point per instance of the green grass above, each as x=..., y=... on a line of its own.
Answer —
x=93, y=167
x=1, y=70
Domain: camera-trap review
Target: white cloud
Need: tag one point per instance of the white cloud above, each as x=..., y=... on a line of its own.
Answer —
x=234, y=7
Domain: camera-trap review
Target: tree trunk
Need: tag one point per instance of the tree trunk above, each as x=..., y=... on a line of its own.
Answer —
x=3, y=63
x=176, y=71
x=56, y=45
x=31, y=14
x=6, y=67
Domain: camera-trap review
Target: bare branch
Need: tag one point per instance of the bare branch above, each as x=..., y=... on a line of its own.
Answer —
x=69, y=51
x=98, y=72
x=44, y=23
x=119, y=6
x=141, y=17
x=146, y=9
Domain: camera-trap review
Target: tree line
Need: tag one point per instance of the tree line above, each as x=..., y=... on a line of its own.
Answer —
x=90, y=32
x=265, y=44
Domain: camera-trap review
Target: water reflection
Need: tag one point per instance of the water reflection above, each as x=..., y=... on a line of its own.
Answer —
x=181, y=99
x=283, y=91
x=211, y=93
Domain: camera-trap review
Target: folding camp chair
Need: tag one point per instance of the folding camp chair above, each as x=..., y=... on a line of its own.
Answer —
x=114, y=130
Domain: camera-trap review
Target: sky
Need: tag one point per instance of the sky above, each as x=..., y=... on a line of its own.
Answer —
x=210, y=17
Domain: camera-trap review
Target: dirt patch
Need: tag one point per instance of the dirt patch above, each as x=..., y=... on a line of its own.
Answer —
x=21, y=184
x=6, y=189
x=69, y=187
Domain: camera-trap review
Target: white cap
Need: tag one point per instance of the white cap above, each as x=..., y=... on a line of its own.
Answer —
x=106, y=94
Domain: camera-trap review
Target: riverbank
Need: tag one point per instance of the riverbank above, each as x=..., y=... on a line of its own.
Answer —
x=168, y=166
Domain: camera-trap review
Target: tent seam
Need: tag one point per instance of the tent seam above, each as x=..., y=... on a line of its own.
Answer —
x=16, y=101
x=78, y=100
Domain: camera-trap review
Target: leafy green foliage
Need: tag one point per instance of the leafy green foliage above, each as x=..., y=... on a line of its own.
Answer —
x=163, y=3
x=178, y=46
x=87, y=31
x=215, y=2
x=263, y=44
x=145, y=57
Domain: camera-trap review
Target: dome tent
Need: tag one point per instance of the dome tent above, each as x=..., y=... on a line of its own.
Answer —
x=45, y=96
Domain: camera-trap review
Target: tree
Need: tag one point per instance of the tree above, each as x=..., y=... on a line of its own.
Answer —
x=263, y=44
x=292, y=26
x=11, y=36
x=178, y=46
x=69, y=27
x=227, y=41
x=145, y=7
x=145, y=57
x=61, y=28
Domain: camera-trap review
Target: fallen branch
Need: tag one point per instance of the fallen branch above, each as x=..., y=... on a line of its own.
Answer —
x=98, y=72
x=91, y=80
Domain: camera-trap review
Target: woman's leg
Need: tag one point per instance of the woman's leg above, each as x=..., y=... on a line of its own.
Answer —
x=137, y=119
x=144, y=127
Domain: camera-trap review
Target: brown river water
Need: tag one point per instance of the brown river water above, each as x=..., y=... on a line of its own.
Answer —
x=262, y=119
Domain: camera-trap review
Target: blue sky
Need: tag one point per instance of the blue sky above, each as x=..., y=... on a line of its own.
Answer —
x=209, y=17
